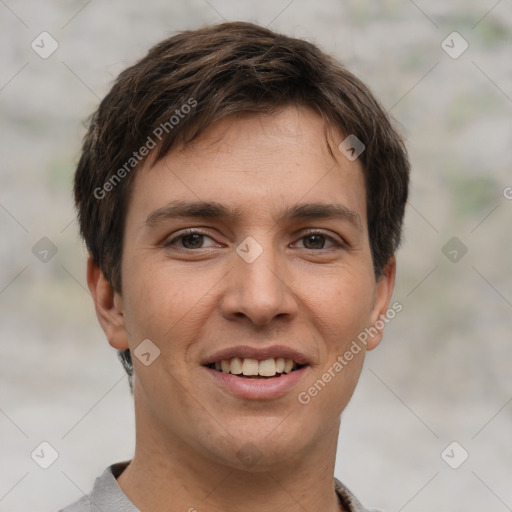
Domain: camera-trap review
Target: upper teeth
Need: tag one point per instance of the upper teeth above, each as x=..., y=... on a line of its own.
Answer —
x=266, y=368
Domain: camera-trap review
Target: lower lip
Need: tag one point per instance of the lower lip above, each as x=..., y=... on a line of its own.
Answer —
x=258, y=389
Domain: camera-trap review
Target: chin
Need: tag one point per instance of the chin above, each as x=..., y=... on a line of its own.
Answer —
x=262, y=444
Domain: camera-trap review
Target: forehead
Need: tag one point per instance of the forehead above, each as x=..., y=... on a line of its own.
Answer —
x=257, y=165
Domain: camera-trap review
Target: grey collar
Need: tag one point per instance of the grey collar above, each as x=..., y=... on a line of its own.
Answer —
x=107, y=496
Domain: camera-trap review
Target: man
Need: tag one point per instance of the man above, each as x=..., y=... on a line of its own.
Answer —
x=241, y=196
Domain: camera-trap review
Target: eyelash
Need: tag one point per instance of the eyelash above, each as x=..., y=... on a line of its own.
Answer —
x=197, y=231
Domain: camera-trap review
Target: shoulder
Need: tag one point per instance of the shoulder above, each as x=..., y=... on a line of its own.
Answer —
x=106, y=494
x=348, y=500
x=82, y=505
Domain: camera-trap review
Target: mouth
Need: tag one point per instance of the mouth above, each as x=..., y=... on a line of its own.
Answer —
x=256, y=373
x=248, y=368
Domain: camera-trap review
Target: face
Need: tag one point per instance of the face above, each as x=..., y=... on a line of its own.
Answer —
x=250, y=295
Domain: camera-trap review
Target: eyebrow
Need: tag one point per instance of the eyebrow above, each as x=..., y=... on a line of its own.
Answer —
x=214, y=210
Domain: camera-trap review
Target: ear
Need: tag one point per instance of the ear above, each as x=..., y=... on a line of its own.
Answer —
x=383, y=291
x=108, y=305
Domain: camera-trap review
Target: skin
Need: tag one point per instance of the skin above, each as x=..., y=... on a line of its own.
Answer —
x=302, y=292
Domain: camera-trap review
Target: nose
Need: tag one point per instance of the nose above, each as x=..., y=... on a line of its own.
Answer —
x=261, y=290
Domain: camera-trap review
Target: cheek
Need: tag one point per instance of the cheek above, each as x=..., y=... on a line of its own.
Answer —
x=346, y=302
x=167, y=307
x=152, y=303
x=349, y=307
x=330, y=390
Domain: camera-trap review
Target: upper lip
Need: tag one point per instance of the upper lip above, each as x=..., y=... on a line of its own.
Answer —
x=259, y=353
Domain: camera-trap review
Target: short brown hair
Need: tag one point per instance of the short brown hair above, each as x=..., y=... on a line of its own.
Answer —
x=217, y=71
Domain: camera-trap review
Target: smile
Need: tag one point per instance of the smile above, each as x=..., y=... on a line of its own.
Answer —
x=247, y=367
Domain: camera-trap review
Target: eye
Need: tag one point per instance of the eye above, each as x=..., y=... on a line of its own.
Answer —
x=315, y=240
x=193, y=239
x=189, y=239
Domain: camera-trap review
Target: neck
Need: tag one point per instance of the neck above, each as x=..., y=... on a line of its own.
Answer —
x=166, y=474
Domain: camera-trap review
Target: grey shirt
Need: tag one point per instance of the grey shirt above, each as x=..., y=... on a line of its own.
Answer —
x=107, y=496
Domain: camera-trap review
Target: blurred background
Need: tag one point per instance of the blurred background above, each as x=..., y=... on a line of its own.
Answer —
x=443, y=372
